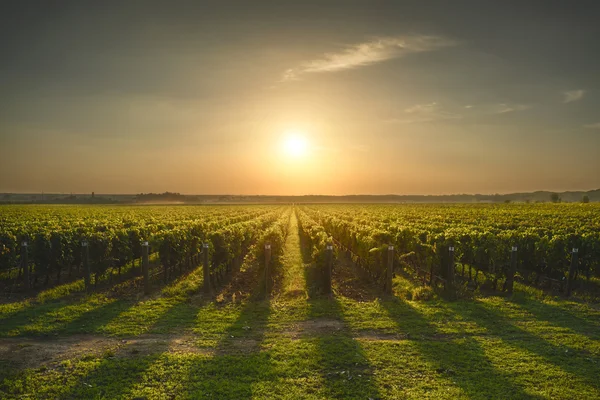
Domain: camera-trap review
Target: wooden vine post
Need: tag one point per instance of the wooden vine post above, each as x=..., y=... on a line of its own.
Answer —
x=267, y=268
x=450, y=271
x=85, y=248
x=145, y=267
x=328, y=267
x=206, y=269
x=512, y=270
x=572, y=270
x=431, y=275
x=390, y=270
x=167, y=264
x=25, y=264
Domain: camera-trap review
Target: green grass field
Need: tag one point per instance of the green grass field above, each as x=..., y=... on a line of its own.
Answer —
x=355, y=345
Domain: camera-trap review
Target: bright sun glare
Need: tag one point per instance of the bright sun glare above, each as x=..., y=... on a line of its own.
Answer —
x=295, y=145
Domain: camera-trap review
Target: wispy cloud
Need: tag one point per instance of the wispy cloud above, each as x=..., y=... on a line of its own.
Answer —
x=573, y=95
x=504, y=108
x=593, y=126
x=436, y=112
x=425, y=113
x=363, y=54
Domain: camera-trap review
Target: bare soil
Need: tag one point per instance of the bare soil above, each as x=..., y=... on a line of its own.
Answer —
x=21, y=353
x=349, y=281
x=34, y=353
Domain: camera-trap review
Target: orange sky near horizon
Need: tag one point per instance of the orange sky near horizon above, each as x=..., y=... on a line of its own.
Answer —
x=404, y=98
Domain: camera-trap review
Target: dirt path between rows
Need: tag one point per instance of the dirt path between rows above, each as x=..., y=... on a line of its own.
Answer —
x=35, y=352
x=22, y=352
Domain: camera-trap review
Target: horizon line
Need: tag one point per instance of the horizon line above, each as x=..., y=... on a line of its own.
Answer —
x=297, y=195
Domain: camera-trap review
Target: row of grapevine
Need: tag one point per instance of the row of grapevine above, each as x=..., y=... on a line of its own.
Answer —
x=316, y=240
x=366, y=246
x=543, y=250
x=53, y=250
x=229, y=245
x=263, y=249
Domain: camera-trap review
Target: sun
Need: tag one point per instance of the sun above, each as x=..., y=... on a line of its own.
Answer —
x=295, y=145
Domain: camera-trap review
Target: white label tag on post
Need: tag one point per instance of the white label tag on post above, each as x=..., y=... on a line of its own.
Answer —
x=390, y=247
x=514, y=248
x=145, y=244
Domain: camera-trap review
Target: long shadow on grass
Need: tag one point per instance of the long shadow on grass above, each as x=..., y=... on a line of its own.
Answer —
x=115, y=375
x=69, y=290
x=461, y=359
x=228, y=374
x=84, y=316
x=235, y=364
x=558, y=316
x=344, y=367
x=495, y=322
x=75, y=313
x=238, y=362
x=112, y=375
x=24, y=317
x=170, y=311
x=92, y=320
x=93, y=376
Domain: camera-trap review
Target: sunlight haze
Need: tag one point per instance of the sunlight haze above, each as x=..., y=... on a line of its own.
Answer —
x=375, y=97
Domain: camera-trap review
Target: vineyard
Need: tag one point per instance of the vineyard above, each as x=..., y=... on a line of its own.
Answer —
x=300, y=301
x=556, y=247
x=40, y=249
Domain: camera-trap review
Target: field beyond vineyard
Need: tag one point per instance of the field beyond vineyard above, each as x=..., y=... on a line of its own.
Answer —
x=236, y=302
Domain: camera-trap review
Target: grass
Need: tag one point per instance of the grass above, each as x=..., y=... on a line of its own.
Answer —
x=300, y=345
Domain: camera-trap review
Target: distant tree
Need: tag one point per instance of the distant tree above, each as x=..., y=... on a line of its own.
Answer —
x=585, y=198
x=554, y=197
x=507, y=201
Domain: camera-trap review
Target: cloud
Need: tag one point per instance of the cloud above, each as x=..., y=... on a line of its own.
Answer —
x=504, y=108
x=425, y=113
x=363, y=54
x=593, y=126
x=573, y=95
x=435, y=112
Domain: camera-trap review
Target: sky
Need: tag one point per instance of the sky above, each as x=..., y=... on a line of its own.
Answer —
x=291, y=98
